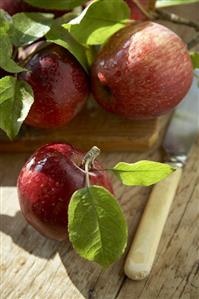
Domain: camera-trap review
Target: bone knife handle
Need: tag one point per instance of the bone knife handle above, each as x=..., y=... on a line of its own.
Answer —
x=142, y=253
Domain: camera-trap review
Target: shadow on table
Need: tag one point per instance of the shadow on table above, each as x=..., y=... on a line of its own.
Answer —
x=10, y=166
x=27, y=237
x=83, y=274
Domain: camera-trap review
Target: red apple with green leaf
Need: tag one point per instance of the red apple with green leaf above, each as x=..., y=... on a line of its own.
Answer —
x=47, y=182
x=60, y=87
x=143, y=71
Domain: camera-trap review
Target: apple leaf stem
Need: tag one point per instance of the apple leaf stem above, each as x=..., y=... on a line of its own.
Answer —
x=87, y=173
x=88, y=160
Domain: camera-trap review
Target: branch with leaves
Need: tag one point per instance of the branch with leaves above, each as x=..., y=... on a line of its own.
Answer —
x=97, y=227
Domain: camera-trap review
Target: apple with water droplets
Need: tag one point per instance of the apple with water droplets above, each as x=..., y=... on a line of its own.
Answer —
x=143, y=71
x=60, y=86
x=48, y=180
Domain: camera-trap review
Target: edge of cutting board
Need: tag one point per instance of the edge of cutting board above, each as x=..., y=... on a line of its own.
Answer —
x=93, y=126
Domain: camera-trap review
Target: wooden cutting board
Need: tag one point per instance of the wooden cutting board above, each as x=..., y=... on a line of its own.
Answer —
x=93, y=126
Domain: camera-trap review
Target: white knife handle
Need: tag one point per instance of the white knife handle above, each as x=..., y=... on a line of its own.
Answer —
x=143, y=249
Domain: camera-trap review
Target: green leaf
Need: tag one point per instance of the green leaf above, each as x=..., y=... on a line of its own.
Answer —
x=28, y=27
x=5, y=22
x=55, y=4
x=62, y=37
x=6, y=88
x=195, y=59
x=6, y=62
x=99, y=21
x=97, y=227
x=165, y=3
x=16, y=98
x=142, y=173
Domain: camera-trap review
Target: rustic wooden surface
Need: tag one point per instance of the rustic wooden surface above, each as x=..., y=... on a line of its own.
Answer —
x=35, y=268
x=92, y=126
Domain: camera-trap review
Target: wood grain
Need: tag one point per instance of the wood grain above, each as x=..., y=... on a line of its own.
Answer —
x=92, y=126
x=176, y=269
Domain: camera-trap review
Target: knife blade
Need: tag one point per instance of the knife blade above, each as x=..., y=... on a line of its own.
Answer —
x=180, y=136
x=184, y=126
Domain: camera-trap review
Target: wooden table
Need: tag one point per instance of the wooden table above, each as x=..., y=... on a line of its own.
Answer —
x=34, y=267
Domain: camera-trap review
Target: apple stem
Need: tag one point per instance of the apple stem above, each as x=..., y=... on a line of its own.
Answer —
x=88, y=160
x=142, y=9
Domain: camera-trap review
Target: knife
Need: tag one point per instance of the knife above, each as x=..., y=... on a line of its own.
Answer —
x=181, y=134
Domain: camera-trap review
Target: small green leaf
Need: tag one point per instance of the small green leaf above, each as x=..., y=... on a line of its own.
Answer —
x=165, y=3
x=6, y=88
x=97, y=227
x=16, y=98
x=6, y=62
x=142, y=173
x=62, y=37
x=5, y=22
x=28, y=27
x=195, y=59
x=55, y=4
x=99, y=21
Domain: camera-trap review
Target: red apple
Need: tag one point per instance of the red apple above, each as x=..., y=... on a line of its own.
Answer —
x=11, y=6
x=60, y=87
x=15, y=6
x=46, y=183
x=136, y=13
x=142, y=71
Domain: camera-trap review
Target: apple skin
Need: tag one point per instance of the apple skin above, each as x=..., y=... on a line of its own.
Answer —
x=15, y=6
x=11, y=6
x=60, y=87
x=136, y=13
x=46, y=183
x=143, y=71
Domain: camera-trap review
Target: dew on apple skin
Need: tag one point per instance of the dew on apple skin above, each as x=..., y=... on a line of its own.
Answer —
x=44, y=195
x=101, y=63
x=154, y=77
x=30, y=163
x=60, y=87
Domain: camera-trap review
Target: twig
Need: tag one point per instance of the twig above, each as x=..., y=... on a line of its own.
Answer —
x=171, y=17
x=193, y=42
x=143, y=10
